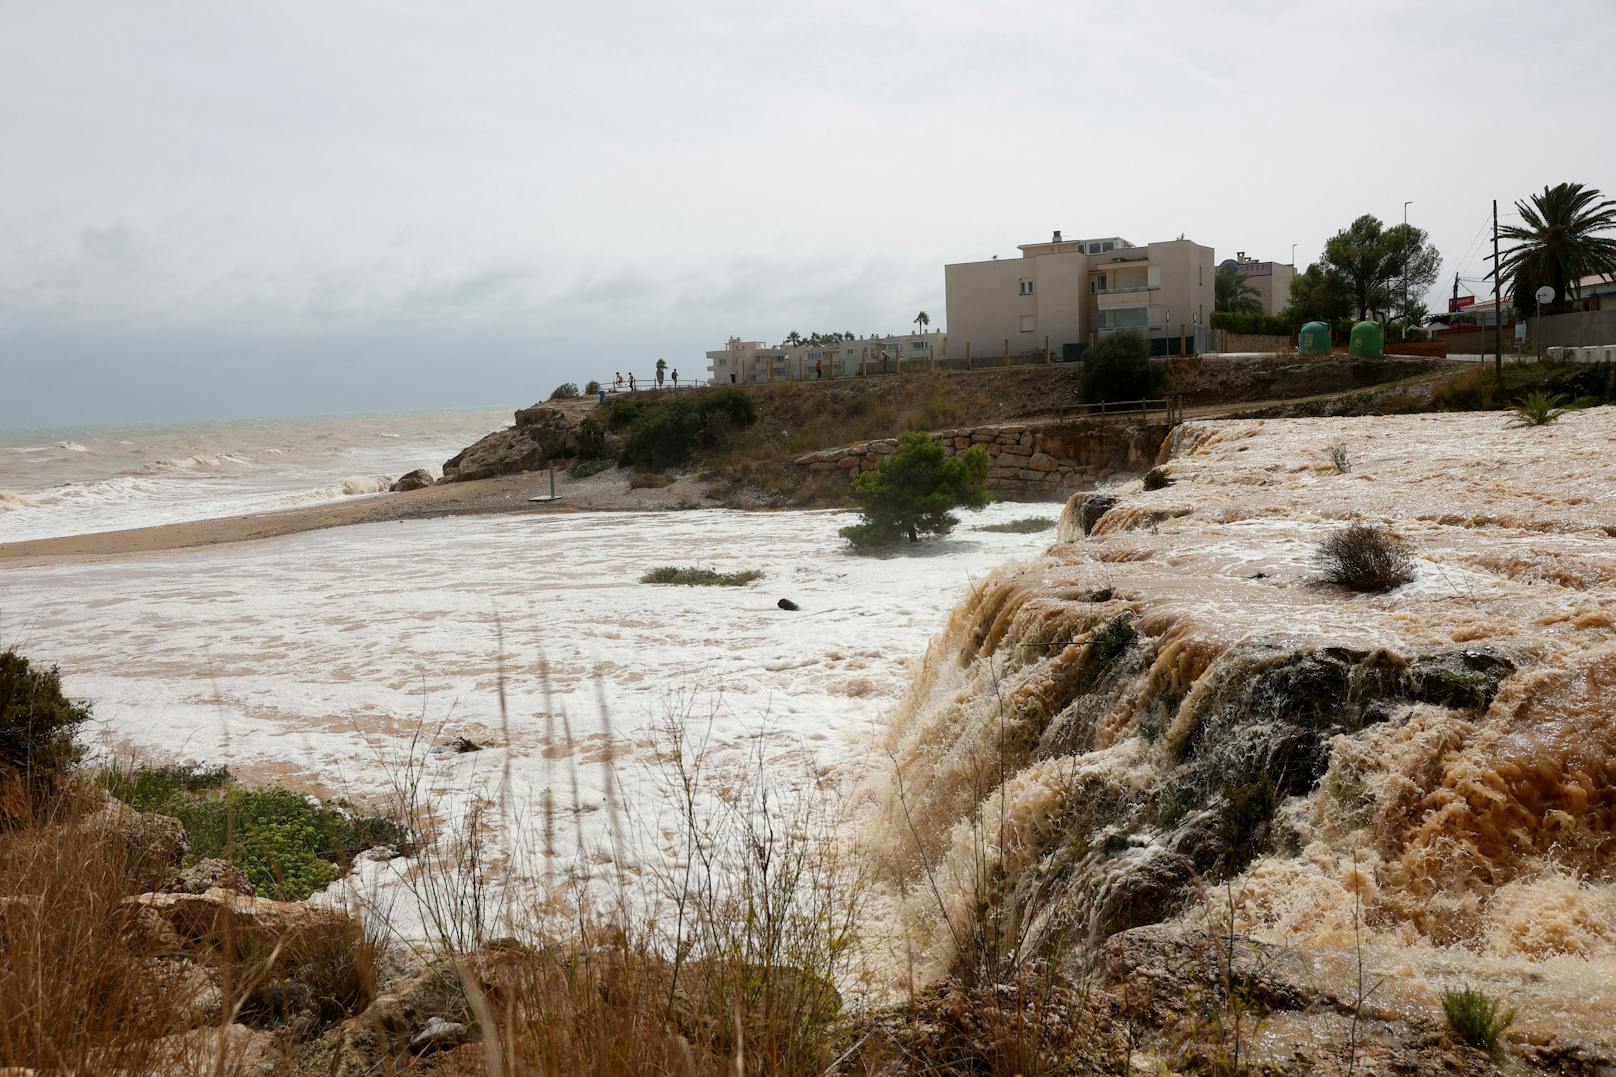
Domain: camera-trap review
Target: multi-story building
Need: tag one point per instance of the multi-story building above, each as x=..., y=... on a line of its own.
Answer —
x=753, y=362
x=1270, y=280
x=1061, y=296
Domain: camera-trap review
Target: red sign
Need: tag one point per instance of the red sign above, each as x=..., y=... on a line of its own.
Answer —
x=1460, y=302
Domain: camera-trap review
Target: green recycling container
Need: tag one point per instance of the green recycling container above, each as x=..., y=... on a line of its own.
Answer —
x=1314, y=339
x=1367, y=341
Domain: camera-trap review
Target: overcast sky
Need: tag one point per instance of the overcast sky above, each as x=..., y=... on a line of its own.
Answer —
x=221, y=209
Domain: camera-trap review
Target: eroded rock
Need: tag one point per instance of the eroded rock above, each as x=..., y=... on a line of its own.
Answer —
x=418, y=479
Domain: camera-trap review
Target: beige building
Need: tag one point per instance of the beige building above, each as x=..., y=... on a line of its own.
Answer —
x=1061, y=296
x=1270, y=280
x=751, y=362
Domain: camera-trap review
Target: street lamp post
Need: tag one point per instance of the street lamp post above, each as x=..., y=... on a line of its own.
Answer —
x=1405, y=267
x=1293, y=256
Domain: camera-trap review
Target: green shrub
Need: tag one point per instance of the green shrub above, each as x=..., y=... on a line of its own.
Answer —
x=691, y=576
x=1119, y=368
x=1271, y=325
x=1026, y=526
x=1539, y=409
x=287, y=844
x=667, y=432
x=1473, y=1015
x=38, y=724
x=585, y=468
x=913, y=490
x=591, y=439
x=567, y=390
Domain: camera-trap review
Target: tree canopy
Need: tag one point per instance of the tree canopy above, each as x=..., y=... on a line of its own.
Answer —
x=1233, y=293
x=1118, y=367
x=913, y=490
x=1318, y=294
x=1380, y=265
x=1557, y=243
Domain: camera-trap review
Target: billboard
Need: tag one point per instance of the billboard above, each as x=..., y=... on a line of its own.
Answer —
x=1460, y=302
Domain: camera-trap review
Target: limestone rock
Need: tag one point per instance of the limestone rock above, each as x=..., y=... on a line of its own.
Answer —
x=418, y=479
x=211, y=873
x=151, y=845
x=439, y=1035
x=243, y=1051
x=540, y=435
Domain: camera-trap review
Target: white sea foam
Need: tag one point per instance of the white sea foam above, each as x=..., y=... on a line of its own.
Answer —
x=71, y=446
x=10, y=501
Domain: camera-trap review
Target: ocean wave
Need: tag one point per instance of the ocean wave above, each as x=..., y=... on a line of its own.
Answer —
x=9, y=501
x=205, y=462
x=355, y=487
x=32, y=448
x=71, y=446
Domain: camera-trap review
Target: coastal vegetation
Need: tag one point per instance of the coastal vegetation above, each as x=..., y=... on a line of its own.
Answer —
x=1539, y=409
x=663, y=431
x=693, y=576
x=914, y=490
x=1558, y=243
x=1365, y=557
x=1027, y=525
x=1119, y=368
x=38, y=734
x=567, y=390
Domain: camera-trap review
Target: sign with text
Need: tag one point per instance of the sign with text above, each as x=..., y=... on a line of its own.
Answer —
x=1460, y=302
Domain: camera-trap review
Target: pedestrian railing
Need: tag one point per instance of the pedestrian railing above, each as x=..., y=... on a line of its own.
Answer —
x=1170, y=408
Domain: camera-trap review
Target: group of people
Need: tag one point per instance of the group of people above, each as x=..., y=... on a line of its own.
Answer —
x=633, y=386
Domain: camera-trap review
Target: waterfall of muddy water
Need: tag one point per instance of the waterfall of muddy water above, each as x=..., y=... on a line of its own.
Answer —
x=1170, y=704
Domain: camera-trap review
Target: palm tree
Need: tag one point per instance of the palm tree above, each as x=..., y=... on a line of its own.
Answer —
x=1233, y=292
x=793, y=337
x=1556, y=244
x=921, y=321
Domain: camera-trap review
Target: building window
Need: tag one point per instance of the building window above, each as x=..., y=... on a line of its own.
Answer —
x=1200, y=274
x=1125, y=318
x=917, y=345
x=1027, y=323
x=1097, y=284
x=1026, y=287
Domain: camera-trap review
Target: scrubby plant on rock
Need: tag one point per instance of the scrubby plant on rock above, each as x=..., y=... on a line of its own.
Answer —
x=914, y=490
x=668, y=432
x=38, y=728
x=567, y=390
x=1365, y=557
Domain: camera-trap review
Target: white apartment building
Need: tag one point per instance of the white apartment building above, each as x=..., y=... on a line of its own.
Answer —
x=751, y=362
x=1061, y=296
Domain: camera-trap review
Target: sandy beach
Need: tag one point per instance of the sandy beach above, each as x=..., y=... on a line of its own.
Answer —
x=609, y=490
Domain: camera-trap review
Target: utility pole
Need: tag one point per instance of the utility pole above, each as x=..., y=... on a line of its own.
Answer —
x=1498, y=306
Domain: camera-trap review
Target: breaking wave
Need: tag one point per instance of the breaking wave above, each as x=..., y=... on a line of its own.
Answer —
x=9, y=501
x=355, y=487
x=71, y=446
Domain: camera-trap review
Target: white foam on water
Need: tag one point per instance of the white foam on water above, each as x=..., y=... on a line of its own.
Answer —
x=322, y=651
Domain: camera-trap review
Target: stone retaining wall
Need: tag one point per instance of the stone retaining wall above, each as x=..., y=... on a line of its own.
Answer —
x=1052, y=458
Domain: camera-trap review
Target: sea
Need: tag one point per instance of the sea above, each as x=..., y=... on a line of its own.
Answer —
x=79, y=480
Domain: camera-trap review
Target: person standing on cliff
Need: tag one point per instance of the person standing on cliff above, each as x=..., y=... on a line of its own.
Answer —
x=676, y=377
x=618, y=384
x=631, y=385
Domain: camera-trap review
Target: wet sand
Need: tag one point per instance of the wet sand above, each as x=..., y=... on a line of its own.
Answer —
x=504, y=494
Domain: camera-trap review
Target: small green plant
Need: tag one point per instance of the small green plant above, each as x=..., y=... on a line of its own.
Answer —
x=585, y=468
x=1029, y=525
x=567, y=390
x=691, y=576
x=1336, y=453
x=287, y=844
x=1112, y=638
x=913, y=489
x=1539, y=409
x=1473, y=1015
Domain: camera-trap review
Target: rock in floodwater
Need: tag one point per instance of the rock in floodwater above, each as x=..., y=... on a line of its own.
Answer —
x=418, y=479
x=787, y=604
x=1092, y=508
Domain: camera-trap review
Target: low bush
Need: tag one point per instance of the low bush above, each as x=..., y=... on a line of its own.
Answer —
x=1366, y=558
x=1256, y=324
x=1336, y=453
x=691, y=576
x=592, y=388
x=585, y=468
x=1026, y=526
x=38, y=733
x=591, y=439
x=1473, y=1015
x=914, y=490
x=567, y=390
x=1119, y=368
x=287, y=844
